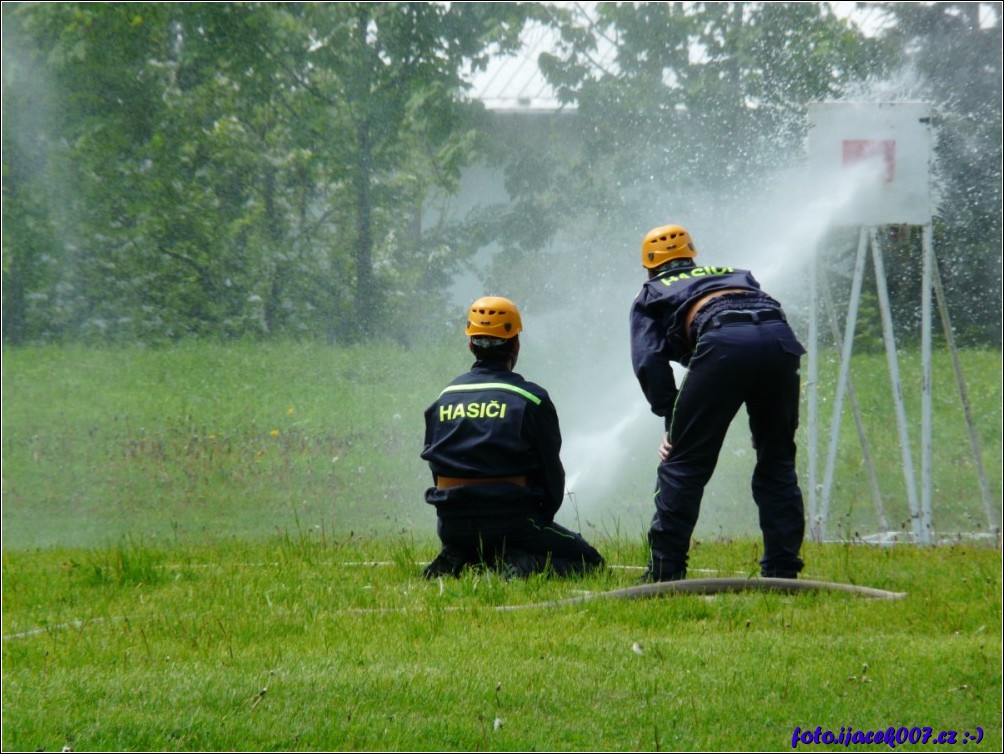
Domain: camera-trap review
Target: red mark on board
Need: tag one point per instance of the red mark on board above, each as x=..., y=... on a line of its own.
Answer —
x=860, y=150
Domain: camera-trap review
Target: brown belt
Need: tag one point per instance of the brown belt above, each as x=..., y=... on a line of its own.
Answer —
x=697, y=305
x=446, y=482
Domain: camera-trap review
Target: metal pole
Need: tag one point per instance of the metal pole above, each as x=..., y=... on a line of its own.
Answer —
x=856, y=412
x=813, y=392
x=974, y=440
x=925, y=398
x=845, y=365
x=922, y=535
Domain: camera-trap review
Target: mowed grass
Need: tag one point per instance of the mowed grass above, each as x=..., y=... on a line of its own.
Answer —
x=189, y=539
x=294, y=644
x=203, y=441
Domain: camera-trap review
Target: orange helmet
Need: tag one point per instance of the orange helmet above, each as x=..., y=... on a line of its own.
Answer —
x=495, y=317
x=665, y=243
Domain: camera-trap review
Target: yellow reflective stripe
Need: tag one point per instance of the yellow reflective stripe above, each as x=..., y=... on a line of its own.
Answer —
x=493, y=386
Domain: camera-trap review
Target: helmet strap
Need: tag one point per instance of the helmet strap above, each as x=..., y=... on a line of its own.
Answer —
x=672, y=264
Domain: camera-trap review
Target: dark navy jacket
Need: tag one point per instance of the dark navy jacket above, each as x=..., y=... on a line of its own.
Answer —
x=490, y=422
x=658, y=326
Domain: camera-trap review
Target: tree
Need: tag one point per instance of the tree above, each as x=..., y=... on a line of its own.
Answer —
x=247, y=167
x=696, y=106
x=391, y=73
x=28, y=243
x=955, y=48
x=692, y=106
x=706, y=91
x=54, y=144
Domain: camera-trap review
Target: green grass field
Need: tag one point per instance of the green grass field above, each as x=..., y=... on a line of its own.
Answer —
x=200, y=442
x=217, y=548
x=293, y=644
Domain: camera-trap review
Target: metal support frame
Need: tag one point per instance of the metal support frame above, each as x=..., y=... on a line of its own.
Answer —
x=920, y=508
x=921, y=528
x=831, y=316
x=974, y=440
x=845, y=365
x=812, y=394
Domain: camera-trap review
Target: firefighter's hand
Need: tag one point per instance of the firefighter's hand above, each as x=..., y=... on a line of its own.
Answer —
x=665, y=448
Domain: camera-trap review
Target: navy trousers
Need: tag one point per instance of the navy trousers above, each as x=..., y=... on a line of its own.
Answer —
x=527, y=543
x=756, y=364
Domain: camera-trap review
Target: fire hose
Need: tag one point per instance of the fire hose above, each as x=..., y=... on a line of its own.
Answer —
x=718, y=586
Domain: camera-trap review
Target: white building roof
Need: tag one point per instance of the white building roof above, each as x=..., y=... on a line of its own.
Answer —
x=514, y=82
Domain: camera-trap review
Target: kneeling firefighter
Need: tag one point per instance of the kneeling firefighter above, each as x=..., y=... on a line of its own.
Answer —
x=492, y=442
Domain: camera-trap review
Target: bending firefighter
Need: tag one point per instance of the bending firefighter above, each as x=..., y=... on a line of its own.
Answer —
x=492, y=442
x=739, y=349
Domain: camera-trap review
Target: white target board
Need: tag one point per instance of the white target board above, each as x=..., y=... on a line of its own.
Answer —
x=871, y=161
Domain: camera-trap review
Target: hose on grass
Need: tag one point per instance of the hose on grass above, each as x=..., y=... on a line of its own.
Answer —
x=717, y=586
x=709, y=586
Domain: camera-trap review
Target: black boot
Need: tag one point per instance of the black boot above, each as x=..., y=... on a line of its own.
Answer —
x=518, y=564
x=449, y=562
x=663, y=570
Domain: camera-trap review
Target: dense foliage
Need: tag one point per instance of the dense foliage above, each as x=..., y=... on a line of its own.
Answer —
x=229, y=168
x=267, y=169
